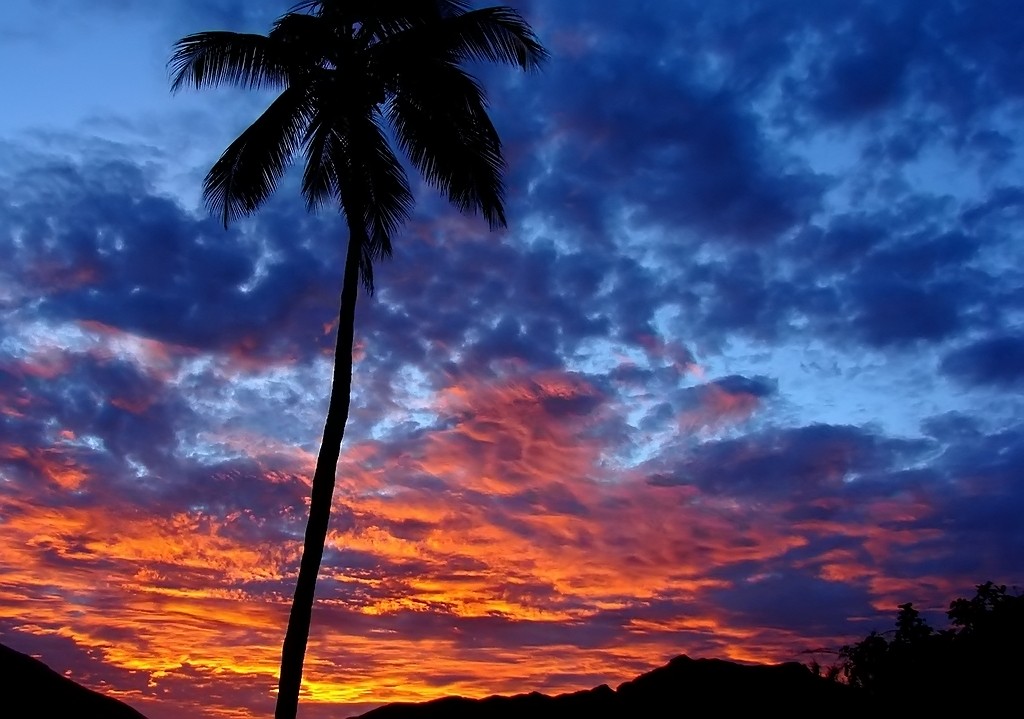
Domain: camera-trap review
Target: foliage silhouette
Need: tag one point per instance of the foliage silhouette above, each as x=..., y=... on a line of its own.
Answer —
x=347, y=70
x=977, y=658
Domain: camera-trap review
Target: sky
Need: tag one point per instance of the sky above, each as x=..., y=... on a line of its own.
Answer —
x=742, y=374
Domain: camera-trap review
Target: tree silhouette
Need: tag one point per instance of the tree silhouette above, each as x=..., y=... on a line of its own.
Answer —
x=347, y=70
x=978, y=658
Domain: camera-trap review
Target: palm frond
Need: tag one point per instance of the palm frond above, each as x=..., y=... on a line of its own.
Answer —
x=366, y=260
x=440, y=120
x=495, y=34
x=250, y=168
x=378, y=179
x=306, y=6
x=380, y=20
x=349, y=161
x=321, y=177
x=208, y=59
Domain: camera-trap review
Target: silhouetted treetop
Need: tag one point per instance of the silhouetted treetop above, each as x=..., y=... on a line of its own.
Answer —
x=977, y=658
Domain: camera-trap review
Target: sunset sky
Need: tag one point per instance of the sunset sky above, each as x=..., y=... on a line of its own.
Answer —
x=744, y=372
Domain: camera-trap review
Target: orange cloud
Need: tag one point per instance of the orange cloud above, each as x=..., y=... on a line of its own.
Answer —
x=488, y=553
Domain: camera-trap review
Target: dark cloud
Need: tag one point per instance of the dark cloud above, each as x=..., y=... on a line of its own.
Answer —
x=792, y=600
x=1003, y=201
x=892, y=313
x=96, y=243
x=793, y=463
x=754, y=386
x=869, y=75
x=696, y=162
x=881, y=56
x=993, y=361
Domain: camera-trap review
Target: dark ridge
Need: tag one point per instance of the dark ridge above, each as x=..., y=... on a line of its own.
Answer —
x=683, y=686
x=31, y=690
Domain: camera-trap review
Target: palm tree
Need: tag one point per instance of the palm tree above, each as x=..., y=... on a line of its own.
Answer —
x=347, y=70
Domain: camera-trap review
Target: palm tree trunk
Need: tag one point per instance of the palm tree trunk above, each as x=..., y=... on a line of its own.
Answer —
x=294, y=650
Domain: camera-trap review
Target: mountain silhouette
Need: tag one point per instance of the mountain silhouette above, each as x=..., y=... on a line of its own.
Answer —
x=680, y=687
x=31, y=690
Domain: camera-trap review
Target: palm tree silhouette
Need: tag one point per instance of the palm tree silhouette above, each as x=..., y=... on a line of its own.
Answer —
x=347, y=70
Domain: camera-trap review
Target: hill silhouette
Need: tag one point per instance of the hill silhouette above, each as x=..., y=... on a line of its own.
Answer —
x=28, y=688
x=31, y=690
x=683, y=685
x=978, y=661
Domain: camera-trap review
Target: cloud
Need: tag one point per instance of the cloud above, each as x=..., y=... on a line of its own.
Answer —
x=994, y=361
x=736, y=381
x=96, y=243
x=781, y=462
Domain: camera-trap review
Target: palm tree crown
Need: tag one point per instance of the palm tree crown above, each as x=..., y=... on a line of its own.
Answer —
x=352, y=76
x=346, y=69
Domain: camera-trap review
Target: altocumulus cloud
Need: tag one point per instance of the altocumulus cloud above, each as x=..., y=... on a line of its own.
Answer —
x=741, y=375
